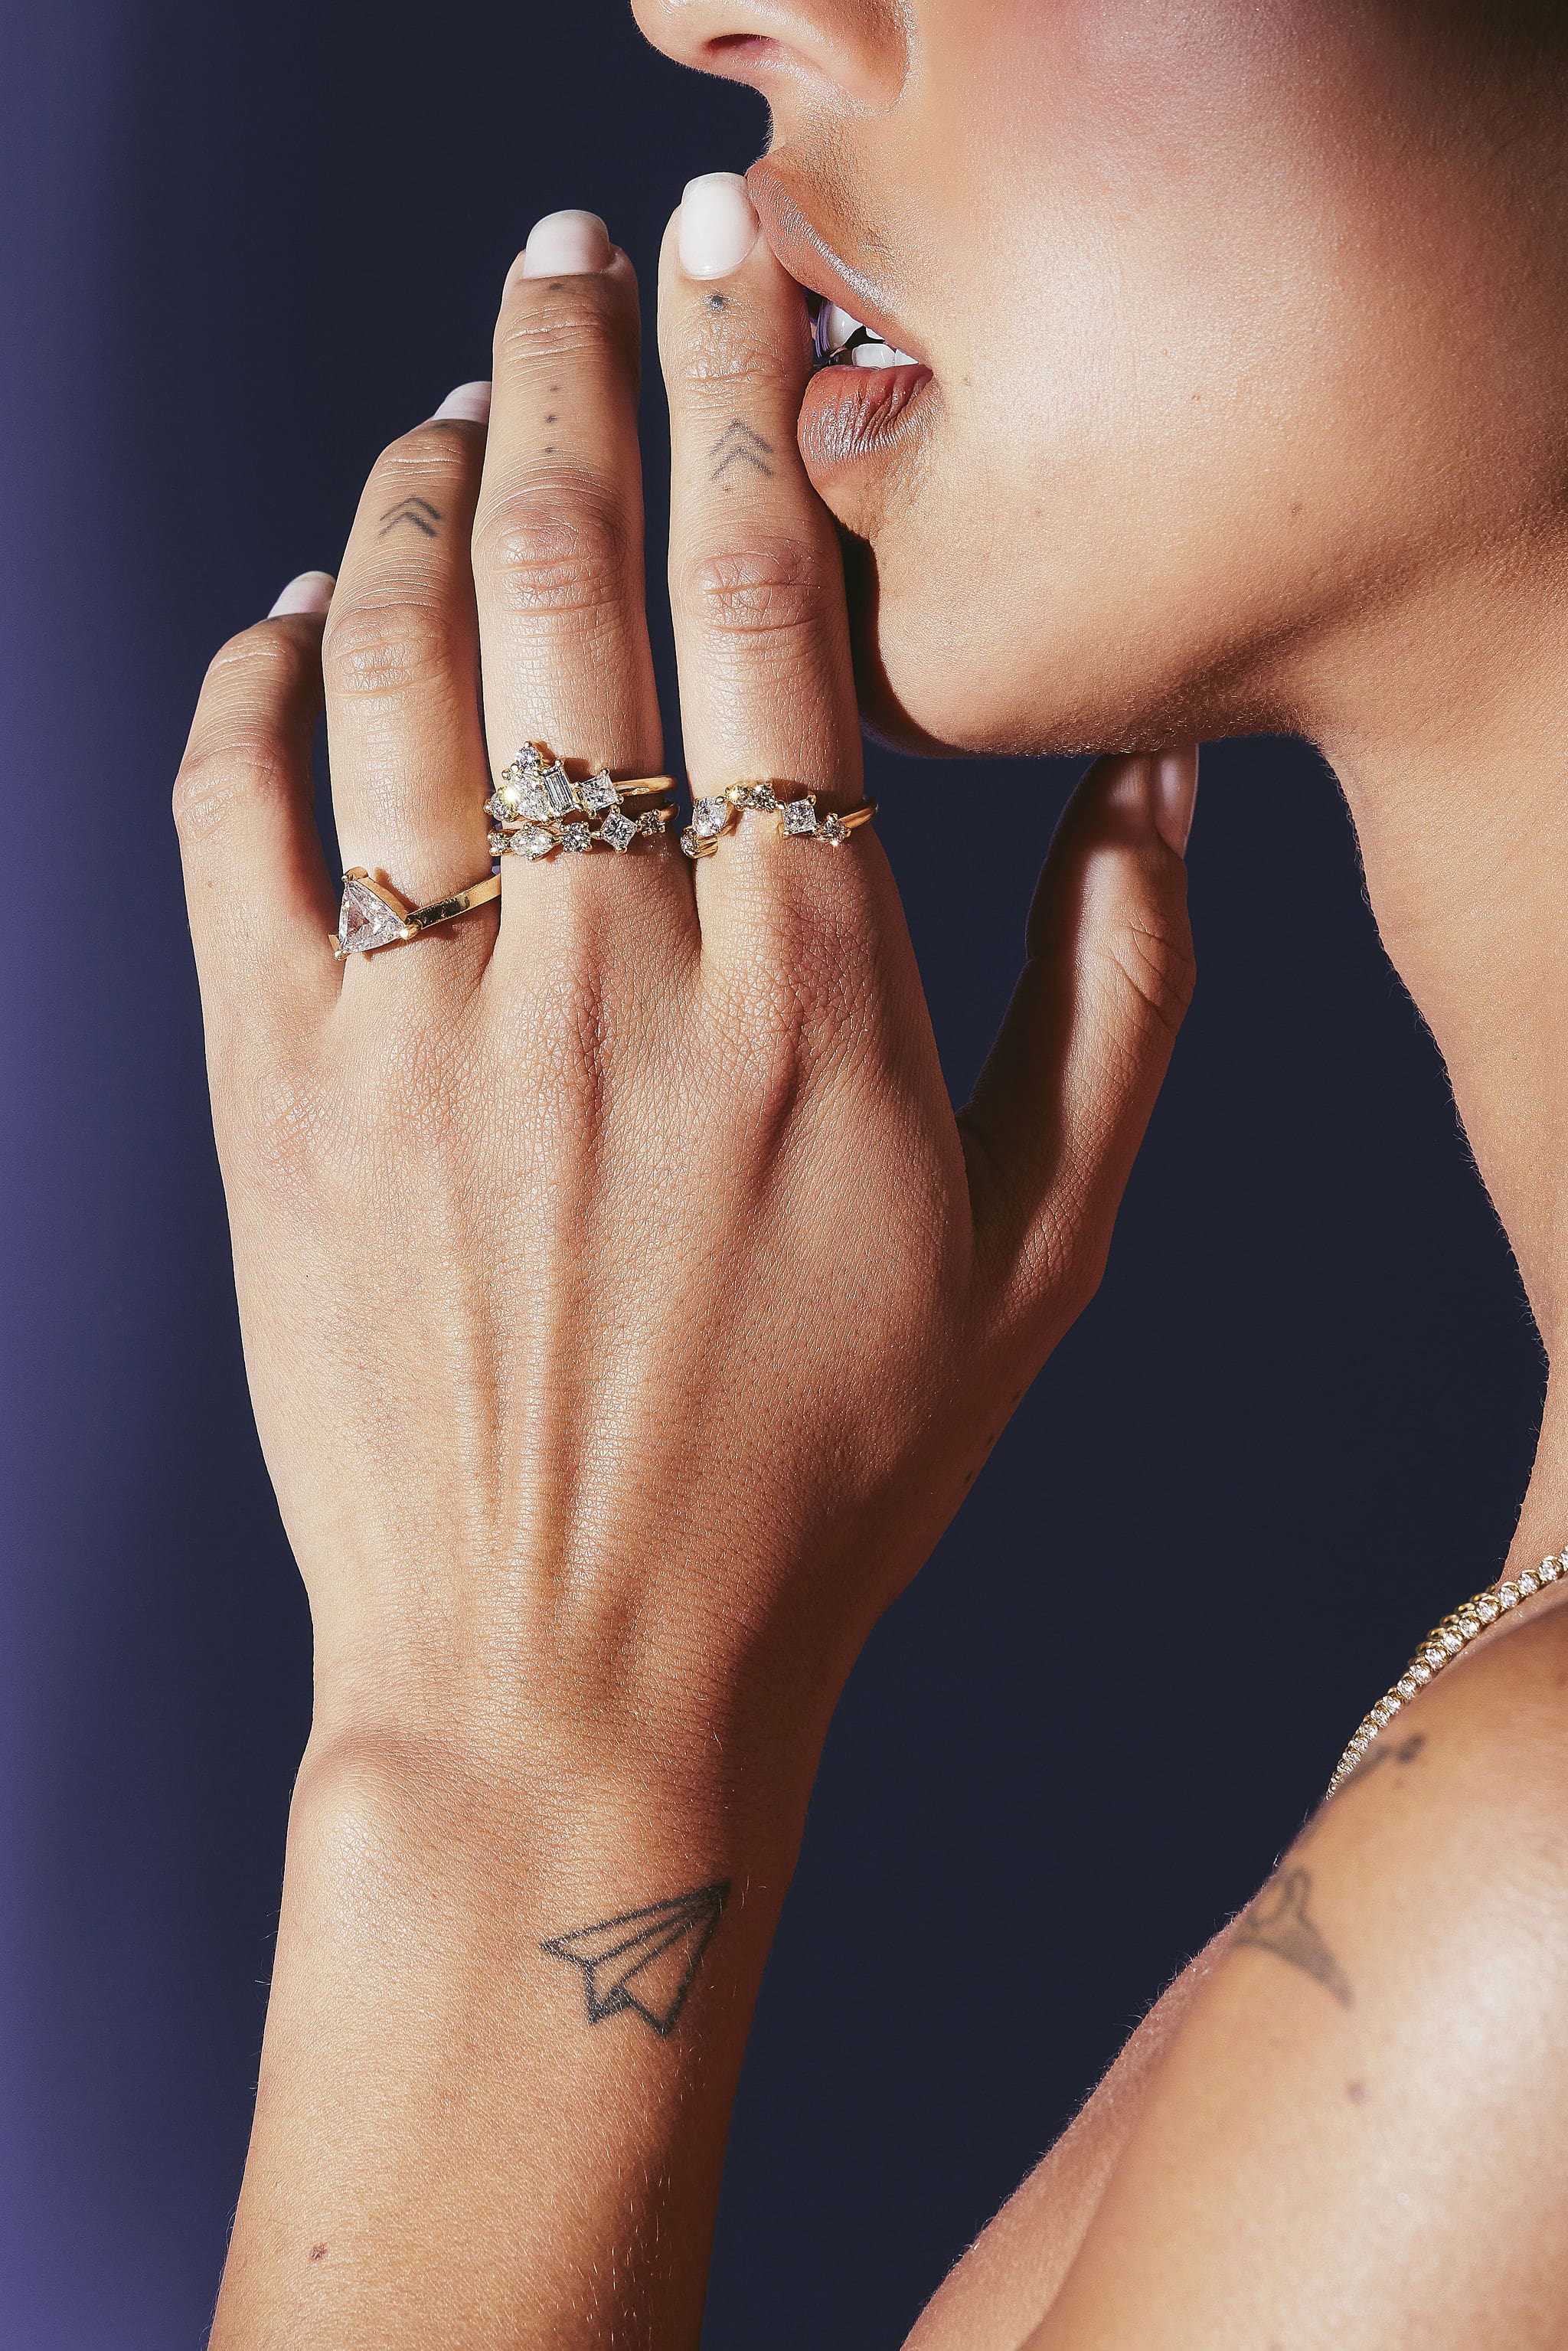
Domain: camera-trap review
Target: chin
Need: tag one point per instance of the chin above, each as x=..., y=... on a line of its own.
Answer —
x=1016, y=675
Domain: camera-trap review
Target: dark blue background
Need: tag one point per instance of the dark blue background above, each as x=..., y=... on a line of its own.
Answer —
x=242, y=248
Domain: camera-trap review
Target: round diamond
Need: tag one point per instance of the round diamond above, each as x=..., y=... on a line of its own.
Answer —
x=835, y=834
x=1451, y=1641
x=1527, y=1582
x=1486, y=1608
x=1407, y=1685
x=1548, y=1571
x=689, y=842
x=1467, y=1624
x=1421, y=1671
x=1508, y=1595
x=576, y=837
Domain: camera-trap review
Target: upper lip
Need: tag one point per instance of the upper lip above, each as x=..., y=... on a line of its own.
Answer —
x=806, y=254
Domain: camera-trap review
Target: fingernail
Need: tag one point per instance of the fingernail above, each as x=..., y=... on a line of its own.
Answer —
x=311, y=592
x=470, y=401
x=718, y=226
x=1174, y=791
x=566, y=245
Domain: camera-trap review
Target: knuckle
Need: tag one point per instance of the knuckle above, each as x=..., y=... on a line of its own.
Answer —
x=237, y=751
x=430, y=455
x=387, y=645
x=772, y=590
x=556, y=549
x=1155, y=965
x=548, y=321
x=725, y=351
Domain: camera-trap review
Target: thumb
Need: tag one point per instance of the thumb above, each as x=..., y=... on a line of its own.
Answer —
x=1062, y=1101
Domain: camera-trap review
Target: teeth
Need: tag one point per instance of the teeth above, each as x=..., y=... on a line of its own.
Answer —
x=845, y=340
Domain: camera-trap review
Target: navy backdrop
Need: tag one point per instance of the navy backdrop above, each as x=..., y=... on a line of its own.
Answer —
x=243, y=249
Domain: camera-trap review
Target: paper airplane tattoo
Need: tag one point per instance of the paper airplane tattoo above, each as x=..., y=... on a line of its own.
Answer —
x=1278, y=1922
x=645, y=1960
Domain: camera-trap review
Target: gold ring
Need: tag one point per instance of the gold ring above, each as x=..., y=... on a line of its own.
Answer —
x=536, y=790
x=372, y=916
x=618, y=831
x=713, y=815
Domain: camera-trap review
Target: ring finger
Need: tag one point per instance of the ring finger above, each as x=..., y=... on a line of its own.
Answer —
x=400, y=659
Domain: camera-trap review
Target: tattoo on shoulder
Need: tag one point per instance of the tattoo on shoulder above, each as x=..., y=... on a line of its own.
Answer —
x=644, y=1959
x=1278, y=1922
x=739, y=445
x=417, y=511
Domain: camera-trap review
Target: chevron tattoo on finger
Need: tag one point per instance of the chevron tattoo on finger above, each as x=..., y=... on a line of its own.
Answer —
x=418, y=511
x=739, y=445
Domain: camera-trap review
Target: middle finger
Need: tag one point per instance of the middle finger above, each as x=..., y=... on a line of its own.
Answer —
x=557, y=536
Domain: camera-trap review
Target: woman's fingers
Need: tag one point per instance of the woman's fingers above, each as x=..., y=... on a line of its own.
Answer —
x=261, y=907
x=756, y=582
x=1062, y=1102
x=401, y=661
x=557, y=544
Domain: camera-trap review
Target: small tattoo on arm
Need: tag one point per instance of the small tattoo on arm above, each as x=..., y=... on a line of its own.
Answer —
x=739, y=445
x=418, y=511
x=644, y=1959
x=1278, y=1922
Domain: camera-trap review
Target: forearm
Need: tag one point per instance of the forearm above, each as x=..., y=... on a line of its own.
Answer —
x=447, y=2147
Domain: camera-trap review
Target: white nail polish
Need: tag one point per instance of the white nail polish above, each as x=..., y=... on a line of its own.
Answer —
x=566, y=245
x=718, y=226
x=470, y=402
x=311, y=592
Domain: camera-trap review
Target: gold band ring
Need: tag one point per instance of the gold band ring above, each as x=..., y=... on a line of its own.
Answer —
x=618, y=832
x=798, y=819
x=372, y=916
x=536, y=789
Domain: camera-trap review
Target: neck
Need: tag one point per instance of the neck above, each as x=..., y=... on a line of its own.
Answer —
x=1446, y=723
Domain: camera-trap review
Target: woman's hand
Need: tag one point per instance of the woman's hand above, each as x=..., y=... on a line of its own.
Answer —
x=626, y=1310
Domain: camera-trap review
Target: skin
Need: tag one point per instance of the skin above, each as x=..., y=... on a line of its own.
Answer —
x=592, y=1529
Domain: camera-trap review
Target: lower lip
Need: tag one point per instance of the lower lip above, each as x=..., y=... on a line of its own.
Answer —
x=852, y=413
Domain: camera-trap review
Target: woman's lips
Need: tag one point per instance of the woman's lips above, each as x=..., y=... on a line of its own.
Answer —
x=852, y=413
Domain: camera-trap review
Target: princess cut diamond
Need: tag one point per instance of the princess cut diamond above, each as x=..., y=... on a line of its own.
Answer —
x=596, y=793
x=620, y=829
x=799, y=817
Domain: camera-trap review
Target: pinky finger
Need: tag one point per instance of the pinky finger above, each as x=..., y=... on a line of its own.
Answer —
x=259, y=901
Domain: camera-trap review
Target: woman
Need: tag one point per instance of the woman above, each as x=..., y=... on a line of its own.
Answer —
x=1191, y=370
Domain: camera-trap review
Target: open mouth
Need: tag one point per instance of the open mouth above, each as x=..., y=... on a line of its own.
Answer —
x=839, y=341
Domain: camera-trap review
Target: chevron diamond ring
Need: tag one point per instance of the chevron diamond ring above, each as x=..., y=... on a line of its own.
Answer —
x=798, y=818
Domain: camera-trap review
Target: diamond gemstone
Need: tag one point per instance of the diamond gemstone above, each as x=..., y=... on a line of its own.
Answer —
x=835, y=834
x=1486, y=1608
x=689, y=841
x=654, y=822
x=1548, y=1571
x=503, y=804
x=576, y=837
x=528, y=762
x=761, y=796
x=1407, y=1685
x=559, y=794
x=1527, y=1582
x=620, y=829
x=497, y=843
x=596, y=793
x=363, y=922
x=1421, y=1671
x=1508, y=1595
x=799, y=816
x=709, y=816
x=1451, y=1641
x=535, y=841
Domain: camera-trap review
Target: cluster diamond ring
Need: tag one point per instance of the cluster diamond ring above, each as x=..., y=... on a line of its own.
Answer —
x=371, y=915
x=537, y=808
x=713, y=815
